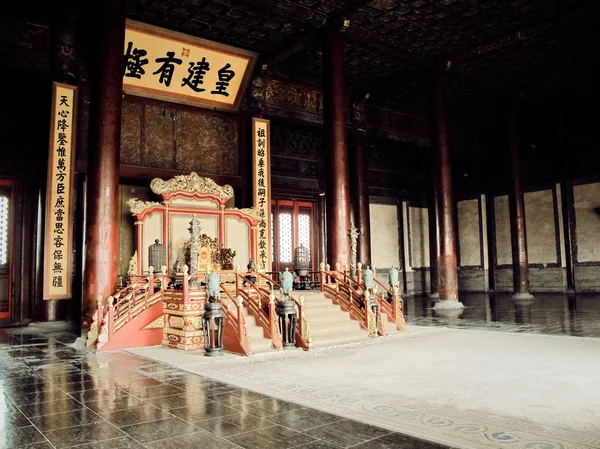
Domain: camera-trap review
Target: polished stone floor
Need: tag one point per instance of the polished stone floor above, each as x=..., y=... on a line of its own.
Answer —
x=52, y=396
x=548, y=313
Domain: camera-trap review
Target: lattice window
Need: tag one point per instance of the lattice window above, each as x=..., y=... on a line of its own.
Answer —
x=4, y=209
x=285, y=237
x=304, y=230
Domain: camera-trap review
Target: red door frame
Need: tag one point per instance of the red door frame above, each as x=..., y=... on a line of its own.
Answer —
x=11, y=184
x=295, y=206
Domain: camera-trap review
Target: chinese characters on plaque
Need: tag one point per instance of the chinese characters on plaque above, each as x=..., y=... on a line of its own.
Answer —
x=175, y=67
x=57, y=254
x=261, y=162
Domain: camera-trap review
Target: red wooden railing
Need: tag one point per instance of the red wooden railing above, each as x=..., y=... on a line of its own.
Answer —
x=235, y=333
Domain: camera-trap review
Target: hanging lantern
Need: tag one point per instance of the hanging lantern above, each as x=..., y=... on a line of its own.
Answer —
x=302, y=264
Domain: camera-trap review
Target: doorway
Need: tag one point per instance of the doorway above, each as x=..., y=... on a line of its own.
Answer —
x=292, y=226
x=6, y=218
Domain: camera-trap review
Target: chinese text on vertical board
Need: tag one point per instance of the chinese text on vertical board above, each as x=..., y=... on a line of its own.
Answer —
x=261, y=160
x=57, y=254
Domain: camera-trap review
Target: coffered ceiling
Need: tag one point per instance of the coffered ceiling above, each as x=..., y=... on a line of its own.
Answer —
x=496, y=47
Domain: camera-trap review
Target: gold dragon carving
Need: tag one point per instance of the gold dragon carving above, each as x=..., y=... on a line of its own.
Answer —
x=192, y=183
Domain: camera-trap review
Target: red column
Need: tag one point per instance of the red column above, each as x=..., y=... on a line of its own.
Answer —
x=517, y=215
x=336, y=151
x=359, y=184
x=434, y=241
x=102, y=197
x=447, y=270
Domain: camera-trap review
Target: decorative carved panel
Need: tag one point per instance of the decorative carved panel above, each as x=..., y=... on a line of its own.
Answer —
x=207, y=142
x=293, y=96
x=296, y=142
x=157, y=147
x=131, y=133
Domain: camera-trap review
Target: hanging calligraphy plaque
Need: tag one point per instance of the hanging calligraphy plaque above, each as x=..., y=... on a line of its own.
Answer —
x=261, y=162
x=172, y=66
x=58, y=225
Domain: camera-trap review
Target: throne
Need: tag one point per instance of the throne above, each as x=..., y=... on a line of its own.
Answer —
x=207, y=252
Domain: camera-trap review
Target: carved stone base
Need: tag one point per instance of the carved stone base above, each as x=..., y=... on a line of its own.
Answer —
x=183, y=322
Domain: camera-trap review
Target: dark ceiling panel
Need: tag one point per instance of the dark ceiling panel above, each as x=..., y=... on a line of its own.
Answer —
x=497, y=47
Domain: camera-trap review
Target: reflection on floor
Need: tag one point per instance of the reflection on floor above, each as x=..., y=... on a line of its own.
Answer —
x=548, y=313
x=52, y=396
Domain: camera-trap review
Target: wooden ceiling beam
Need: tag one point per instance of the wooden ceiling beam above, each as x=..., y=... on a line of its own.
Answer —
x=301, y=43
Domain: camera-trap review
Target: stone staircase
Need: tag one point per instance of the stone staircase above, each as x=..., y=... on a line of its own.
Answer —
x=258, y=342
x=330, y=326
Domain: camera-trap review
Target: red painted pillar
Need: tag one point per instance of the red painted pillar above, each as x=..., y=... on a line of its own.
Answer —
x=359, y=184
x=517, y=215
x=447, y=270
x=434, y=240
x=336, y=151
x=102, y=232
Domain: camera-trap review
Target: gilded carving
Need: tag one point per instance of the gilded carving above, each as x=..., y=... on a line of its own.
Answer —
x=158, y=323
x=191, y=183
x=303, y=98
x=251, y=211
x=176, y=322
x=305, y=332
x=138, y=206
x=133, y=265
x=92, y=336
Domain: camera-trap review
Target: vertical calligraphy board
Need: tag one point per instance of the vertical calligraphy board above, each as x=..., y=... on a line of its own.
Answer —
x=59, y=232
x=261, y=163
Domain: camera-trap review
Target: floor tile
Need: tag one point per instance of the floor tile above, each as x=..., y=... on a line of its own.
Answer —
x=398, y=441
x=20, y=436
x=347, y=432
x=268, y=407
x=101, y=395
x=304, y=419
x=237, y=397
x=179, y=400
x=154, y=392
x=87, y=433
x=67, y=377
x=198, y=440
x=275, y=437
x=42, y=445
x=119, y=403
x=13, y=418
x=320, y=444
x=66, y=419
x=136, y=415
x=233, y=424
x=48, y=408
x=203, y=410
x=115, y=443
x=158, y=430
x=45, y=394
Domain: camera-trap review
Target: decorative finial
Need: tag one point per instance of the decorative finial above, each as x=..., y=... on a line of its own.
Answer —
x=186, y=269
x=164, y=270
x=111, y=300
x=301, y=300
x=151, y=269
x=322, y=266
